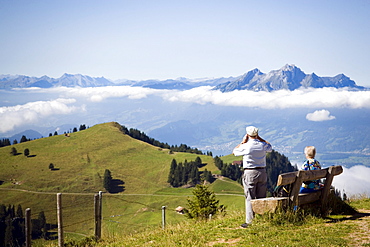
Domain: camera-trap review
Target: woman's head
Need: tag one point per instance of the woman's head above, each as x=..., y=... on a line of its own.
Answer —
x=310, y=151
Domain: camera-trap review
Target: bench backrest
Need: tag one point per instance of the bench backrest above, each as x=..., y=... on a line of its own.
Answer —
x=298, y=177
x=290, y=177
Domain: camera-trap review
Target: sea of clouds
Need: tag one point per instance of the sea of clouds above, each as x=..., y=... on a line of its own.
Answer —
x=71, y=102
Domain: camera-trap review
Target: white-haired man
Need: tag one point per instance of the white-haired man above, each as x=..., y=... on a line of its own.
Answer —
x=254, y=149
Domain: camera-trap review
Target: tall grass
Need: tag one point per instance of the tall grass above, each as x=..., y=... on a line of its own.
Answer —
x=224, y=231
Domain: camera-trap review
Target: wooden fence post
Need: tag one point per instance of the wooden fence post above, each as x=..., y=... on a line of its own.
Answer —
x=163, y=217
x=60, y=220
x=98, y=210
x=28, y=227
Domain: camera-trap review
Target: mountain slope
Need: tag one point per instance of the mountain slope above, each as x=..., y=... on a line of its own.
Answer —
x=82, y=158
x=139, y=170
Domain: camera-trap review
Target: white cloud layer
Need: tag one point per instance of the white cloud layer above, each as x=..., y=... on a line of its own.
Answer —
x=328, y=97
x=13, y=116
x=313, y=98
x=320, y=115
x=354, y=181
x=98, y=94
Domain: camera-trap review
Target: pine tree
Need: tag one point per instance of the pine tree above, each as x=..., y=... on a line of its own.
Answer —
x=107, y=180
x=23, y=139
x=3, y=213
x=218, y=162
x=177, y=178
x=19, y=211
x=9, y=239
x=11, y=211
x=276, y=164
x=208, y=176
x=198, y=161
x=203, y=204
x=14, y=151
x=26, y=152
x=171, y=175
x=82, y=127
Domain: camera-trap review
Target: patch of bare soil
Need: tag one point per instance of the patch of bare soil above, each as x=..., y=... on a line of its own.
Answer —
x=361, y=237
x=229, y=242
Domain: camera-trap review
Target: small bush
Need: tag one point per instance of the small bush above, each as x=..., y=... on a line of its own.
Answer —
x=203, y=204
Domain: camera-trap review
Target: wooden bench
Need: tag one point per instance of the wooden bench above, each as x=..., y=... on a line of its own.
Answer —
x=295, y=199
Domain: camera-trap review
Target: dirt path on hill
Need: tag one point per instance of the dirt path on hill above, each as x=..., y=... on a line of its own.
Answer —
x=361, y=237
x=88, y=193
x=106, y=194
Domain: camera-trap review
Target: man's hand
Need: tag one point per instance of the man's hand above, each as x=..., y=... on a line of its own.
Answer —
x=262, y=140
x=245, y=139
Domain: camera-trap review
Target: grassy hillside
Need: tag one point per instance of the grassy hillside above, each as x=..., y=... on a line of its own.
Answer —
x=132, y=217
x=266, y=230
x=81, y=160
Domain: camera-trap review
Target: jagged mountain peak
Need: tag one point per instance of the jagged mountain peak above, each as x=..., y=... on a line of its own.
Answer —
x=289, y=77
x=289, y=67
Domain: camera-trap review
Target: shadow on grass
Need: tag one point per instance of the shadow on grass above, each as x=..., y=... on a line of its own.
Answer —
x=202, y=165
x=117, y=186
x=356, y=216
x=341, y=208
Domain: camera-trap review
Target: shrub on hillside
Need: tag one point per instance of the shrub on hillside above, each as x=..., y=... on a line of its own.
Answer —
x=203, y=204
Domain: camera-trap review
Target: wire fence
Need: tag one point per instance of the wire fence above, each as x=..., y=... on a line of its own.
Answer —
x=82, y=215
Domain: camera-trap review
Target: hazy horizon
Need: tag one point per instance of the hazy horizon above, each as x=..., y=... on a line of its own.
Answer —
x=141, y=40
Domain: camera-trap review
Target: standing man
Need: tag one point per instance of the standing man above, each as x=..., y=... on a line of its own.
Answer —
x=254, y=149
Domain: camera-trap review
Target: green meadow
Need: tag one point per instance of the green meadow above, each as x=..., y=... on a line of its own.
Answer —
x=79, y=164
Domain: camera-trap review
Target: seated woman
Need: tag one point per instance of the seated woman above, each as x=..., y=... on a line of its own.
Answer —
x=310, y=164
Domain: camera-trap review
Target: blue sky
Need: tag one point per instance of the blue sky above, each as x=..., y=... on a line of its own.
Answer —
x=193, y=39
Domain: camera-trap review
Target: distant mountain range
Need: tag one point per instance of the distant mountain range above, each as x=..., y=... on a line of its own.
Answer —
x=288, y=77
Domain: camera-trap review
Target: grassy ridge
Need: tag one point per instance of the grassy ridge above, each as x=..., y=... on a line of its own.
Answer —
x=82, y=159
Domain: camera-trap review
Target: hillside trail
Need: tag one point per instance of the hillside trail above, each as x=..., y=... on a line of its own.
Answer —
x=361, y=236
x=87, y=193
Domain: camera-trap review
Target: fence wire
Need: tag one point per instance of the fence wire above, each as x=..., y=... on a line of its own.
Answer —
x=80, y=210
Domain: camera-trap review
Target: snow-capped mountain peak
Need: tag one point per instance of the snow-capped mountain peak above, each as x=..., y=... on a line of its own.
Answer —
x=289, y=77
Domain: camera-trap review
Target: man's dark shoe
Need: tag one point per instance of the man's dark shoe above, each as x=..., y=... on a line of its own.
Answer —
x=244, y=225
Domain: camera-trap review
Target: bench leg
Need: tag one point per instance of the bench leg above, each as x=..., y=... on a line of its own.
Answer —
x=294, y=203
x=326, y=190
